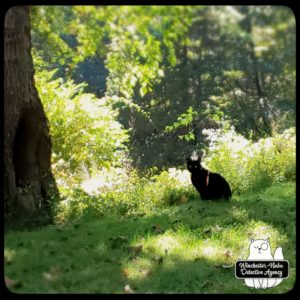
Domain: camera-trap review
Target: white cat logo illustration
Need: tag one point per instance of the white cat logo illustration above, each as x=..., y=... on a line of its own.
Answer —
x=261, y=250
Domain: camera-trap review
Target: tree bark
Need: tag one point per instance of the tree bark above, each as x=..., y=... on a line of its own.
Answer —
x=29, y=185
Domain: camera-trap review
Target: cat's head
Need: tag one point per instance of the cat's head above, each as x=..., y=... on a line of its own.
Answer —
x=260, y=248
x=193, y=164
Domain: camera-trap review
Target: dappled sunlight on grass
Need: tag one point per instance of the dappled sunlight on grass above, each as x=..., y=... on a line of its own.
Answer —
x=170, y=247
x=167, y=243
x=9, y=255
x=210, y=251
x=239, y=213
x=189, y=248
x=262, y=230
x=218, y=245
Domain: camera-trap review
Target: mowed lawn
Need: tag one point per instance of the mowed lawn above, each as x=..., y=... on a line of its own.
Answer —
x=186, y=248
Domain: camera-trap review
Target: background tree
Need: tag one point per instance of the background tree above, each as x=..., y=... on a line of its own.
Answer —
x=29, y=186
x=171, y=72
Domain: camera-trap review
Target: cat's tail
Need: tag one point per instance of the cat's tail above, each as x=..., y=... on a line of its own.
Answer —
x=278, y=255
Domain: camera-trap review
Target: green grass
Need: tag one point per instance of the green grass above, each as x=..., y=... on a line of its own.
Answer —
x=187, y=248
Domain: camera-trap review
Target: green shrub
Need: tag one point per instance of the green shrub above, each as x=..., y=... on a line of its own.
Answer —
x=123, y=191
x=251, y=166
x=120, y=192
x=84, y=131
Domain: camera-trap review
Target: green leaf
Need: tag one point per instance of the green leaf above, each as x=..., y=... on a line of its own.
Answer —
x=143, y=91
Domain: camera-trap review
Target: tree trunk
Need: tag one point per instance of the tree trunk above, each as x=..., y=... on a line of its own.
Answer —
x=29, y=185
x=261, y=100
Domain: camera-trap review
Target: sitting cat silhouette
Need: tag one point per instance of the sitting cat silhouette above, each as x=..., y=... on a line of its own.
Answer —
x=211, y=186
x=261, y=250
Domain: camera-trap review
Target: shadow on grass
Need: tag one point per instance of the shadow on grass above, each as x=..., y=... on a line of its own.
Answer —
x=92, y=257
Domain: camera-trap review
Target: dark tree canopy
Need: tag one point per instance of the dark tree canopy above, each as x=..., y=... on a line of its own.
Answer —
x=223, y=64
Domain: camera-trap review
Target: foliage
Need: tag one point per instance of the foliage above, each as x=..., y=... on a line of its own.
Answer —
x=182, y=121
x=134, y=51
x=121, y=192
x=131, y=45
x=47, y=23
x=223, y=74
x=84, y=131
x=256, y=108
x=153, y=63
x=248, y=165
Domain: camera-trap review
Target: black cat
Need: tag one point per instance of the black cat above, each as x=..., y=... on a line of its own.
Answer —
x=211, y=186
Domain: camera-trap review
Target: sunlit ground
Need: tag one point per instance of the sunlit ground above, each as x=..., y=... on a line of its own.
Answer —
x=187, y=248
x=116, y=176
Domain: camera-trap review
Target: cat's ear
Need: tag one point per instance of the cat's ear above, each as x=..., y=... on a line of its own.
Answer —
x=251, y=240
x=268, y=240
x=188, y=159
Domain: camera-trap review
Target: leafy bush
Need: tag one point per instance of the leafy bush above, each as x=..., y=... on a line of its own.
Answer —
x=123, y=191
x=251, y=166
x=120, y=192
x=84, y=132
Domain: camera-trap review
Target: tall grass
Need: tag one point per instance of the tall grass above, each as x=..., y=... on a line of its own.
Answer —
x=247, y=166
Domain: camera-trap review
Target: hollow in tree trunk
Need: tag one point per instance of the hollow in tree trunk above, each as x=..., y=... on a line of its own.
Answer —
x=29, y=186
